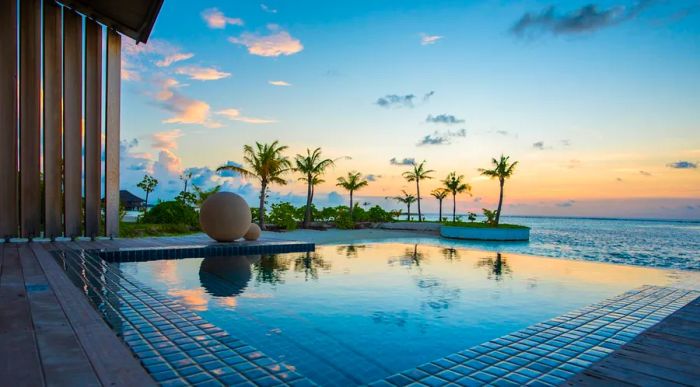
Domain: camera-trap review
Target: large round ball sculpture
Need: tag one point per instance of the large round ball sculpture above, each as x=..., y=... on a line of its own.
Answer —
x=225, y=216
x=253, y=233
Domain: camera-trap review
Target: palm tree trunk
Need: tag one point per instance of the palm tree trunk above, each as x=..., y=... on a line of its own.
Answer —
x=351, y=208
x=261, y=208
x=307, y=213
x=454, y=207
x=440, y=213
x=500, y=203
x=420, y=218
x=145, y=205
x=408, y=215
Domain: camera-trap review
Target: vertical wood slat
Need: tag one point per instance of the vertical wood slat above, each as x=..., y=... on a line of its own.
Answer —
x=93, y=127
x=53, y=88
x=72, y=121
x=30, y=117
x=112, y=127
x=8, y=119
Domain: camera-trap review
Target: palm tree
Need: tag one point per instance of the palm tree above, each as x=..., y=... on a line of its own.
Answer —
x=352, y=183
x=267, y=164
x=440, y=194
x=311, y=166
x=417, y=174
x=502, y=169
x=406, y=199
x=455, y=184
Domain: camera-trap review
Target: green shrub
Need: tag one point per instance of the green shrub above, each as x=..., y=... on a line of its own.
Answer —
x=171, y=212
x=342, y=218
x=378, y=214
x=328, y=214
x=284, y=215
x=301, y=212
x=490, y=216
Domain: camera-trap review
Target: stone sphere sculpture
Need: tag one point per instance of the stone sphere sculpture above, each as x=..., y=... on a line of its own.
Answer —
x=225, y=216
x=253, y=233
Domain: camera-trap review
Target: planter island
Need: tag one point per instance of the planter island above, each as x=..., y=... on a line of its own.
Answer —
x=484, y=232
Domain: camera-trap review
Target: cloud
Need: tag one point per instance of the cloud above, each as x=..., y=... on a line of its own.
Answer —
x=444, y=119
x=186, y=110
x=166, y=139
x=235, y=115
x=399, y=101
x=173, y=58
x=402, y=162
x=538, y=145
x=158, y=52
x=426, y=39
x=566, y=142
x=645, y=173
x=229, y=173
x=216, y=19
x=277, y=42
x=442, y=138
x=567, y=203
x=478, y=199
x=585, y=19
x=334, y=198
x=682, y=165
x=619, y=179
x=372, y=177
x=267, y=9
x=202, y=73
x=279, y=83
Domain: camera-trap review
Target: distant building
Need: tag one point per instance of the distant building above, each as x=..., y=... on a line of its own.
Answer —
x=131, y=202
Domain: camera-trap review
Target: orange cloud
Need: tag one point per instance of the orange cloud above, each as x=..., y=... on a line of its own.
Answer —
x=195, y=299
x=216, y=19
x=277, y=43
x=166, y=140
x=202, y=73
x=187, y=110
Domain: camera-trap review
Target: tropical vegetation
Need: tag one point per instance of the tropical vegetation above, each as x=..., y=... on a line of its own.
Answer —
x=418, y=173
x=455, y=184
x=353, y=182
x=440, y=194
x=312, y=166
x=406, y=199
x=268, y=164
x=502, y=169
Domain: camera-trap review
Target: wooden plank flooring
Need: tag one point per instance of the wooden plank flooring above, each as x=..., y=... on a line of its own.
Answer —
x=666, y=354
x=50, y=334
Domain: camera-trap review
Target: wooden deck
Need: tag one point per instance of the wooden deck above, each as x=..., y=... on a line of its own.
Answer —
x=50, y=333
x=666, y=354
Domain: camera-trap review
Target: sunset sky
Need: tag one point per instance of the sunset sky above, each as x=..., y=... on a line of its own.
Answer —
x=599, y=104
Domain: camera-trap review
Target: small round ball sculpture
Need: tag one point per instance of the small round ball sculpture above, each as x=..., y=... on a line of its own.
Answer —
x=225, y=216
x=253, y=233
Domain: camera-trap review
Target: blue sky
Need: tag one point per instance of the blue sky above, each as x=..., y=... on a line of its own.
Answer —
x=596, y=103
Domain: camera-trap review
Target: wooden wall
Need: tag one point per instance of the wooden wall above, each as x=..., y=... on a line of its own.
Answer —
x=52, y=124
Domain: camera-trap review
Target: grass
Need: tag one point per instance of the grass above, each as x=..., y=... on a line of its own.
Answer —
x=137, y=230
x=482, y=225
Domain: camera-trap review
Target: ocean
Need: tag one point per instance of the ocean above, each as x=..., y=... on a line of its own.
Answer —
x=654, y=243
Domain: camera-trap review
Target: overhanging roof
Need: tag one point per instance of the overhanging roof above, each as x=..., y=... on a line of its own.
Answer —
x=133, y=18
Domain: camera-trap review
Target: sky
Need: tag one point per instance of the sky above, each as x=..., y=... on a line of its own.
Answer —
x=598, y=102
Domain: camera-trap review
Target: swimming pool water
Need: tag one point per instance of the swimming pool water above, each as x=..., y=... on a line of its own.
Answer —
x=352, y=314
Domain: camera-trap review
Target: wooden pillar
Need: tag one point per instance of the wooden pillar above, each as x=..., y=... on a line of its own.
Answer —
x=30, y=117
x=8, y=119
x=93, y=126
x=112, y=124
x=72, y=121
x=53, y=130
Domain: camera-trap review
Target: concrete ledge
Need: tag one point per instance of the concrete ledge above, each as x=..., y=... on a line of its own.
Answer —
x=411, y=226
x=486, y=234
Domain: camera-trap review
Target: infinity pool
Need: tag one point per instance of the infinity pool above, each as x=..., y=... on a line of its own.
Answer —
x=353, y=314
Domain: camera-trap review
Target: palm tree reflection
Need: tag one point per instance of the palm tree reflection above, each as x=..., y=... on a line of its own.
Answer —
x=309, y=264
x=271, y=268
x=496, y=268
x=411, y=257
x=350, y=251
x=450, y=254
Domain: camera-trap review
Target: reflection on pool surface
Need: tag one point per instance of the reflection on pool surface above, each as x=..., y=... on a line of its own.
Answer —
x=354, y=314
